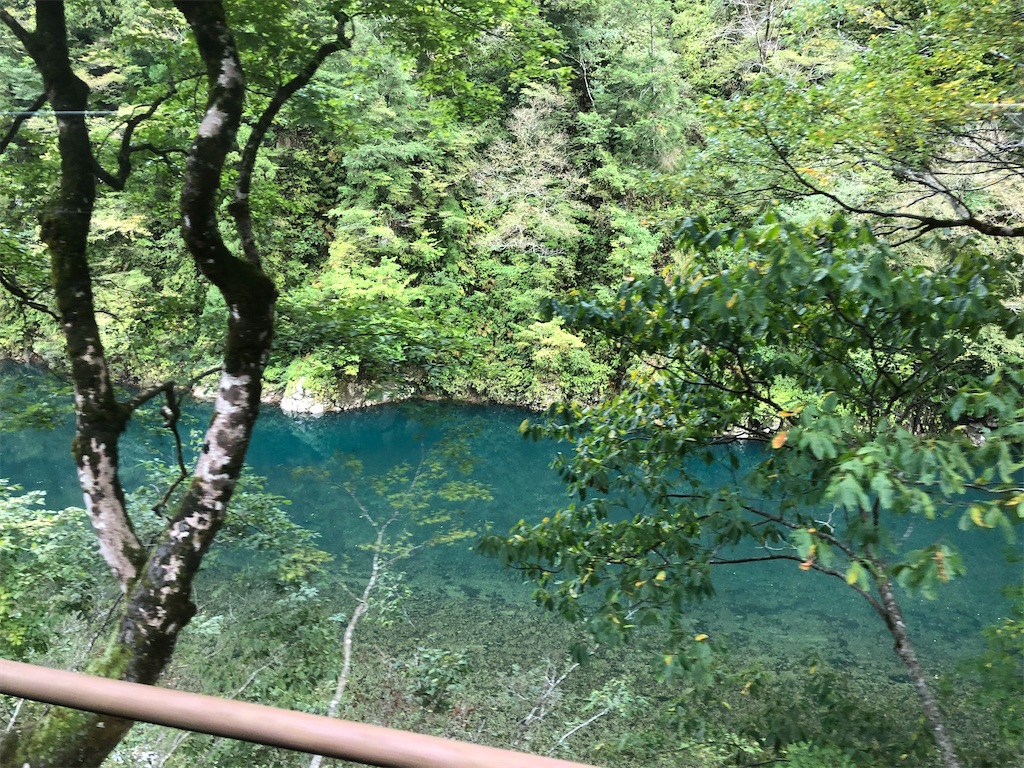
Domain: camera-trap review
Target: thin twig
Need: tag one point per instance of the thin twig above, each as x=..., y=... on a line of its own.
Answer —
x=579, y=727
x=14, y=716
x=104, y=623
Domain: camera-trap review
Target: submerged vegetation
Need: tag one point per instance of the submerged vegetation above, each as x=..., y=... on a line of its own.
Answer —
x=796, y=226
x=451, y=645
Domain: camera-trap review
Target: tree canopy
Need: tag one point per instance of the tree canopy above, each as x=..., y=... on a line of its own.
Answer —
x=925, y=113
x=846, y=383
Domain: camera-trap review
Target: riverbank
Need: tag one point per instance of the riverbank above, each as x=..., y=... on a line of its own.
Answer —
x=302, y=398
x=794, y=656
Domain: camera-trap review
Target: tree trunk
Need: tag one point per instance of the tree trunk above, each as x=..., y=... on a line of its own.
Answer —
x=64, y=228
x=905, y=650
x=158, y=588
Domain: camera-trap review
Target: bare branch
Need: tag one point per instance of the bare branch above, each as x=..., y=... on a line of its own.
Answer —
x=148, y=394
x=19, y=119
x=815, y=566
x=25, y=37
x=124, y=154
x=171, y=411
x=10, y=284
x=239, y=207
x=918, y=224
x=14, y=718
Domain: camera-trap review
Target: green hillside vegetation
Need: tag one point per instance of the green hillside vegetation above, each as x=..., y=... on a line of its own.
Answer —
x=416, y=206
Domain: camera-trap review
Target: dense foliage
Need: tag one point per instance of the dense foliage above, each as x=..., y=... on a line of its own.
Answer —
x=851, y=376
x=849, y=373
x=453, y=168
x=451, y=178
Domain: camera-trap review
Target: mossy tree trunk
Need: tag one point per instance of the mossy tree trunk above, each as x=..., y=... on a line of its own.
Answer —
x=157, y=583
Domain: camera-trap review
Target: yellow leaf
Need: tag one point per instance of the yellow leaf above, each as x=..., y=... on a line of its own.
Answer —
x=732, y=301
x=976, y=516
x=701, y=637
x=852, y=573
x=660, y=576
x=780, y=439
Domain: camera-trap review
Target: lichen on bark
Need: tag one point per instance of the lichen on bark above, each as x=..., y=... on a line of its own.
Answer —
x=157, y=583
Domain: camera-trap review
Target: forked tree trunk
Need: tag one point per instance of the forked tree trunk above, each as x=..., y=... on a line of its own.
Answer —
x=157, y=587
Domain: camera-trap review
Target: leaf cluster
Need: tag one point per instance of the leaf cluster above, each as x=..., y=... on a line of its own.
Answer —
x=49, y=570
x=813, y=374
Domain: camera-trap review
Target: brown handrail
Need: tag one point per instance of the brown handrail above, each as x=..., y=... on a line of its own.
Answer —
x=315, y=734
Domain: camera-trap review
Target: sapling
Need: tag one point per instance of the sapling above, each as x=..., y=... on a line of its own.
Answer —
x=404, y=497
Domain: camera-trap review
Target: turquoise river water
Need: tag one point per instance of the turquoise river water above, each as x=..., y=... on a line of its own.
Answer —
x=767, y=606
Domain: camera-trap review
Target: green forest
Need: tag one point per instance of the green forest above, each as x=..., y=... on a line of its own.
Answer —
x=781, y=236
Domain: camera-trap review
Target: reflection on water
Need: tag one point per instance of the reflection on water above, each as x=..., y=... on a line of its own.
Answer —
x=774, y=609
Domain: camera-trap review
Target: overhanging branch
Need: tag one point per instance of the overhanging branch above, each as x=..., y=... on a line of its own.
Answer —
x=917, y=224
x=124, y=154
x=239, y=207
x=19, y=120
x=11, y=285
x=25, y=37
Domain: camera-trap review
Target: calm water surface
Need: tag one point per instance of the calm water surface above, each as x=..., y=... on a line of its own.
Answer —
x=773, y=609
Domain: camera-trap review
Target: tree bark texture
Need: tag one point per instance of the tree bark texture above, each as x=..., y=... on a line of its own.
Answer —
x=905, y=651
x=157, y=586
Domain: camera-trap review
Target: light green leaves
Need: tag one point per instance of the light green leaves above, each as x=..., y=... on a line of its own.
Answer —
x=900, y=119
x=48, y=569
x=857, y=574
x=820, y=444
x=924, y=570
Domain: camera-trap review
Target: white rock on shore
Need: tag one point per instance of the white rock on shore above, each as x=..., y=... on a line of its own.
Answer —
x=301, y=400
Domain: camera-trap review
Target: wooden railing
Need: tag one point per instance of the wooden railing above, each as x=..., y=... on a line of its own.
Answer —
x=315, y=734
